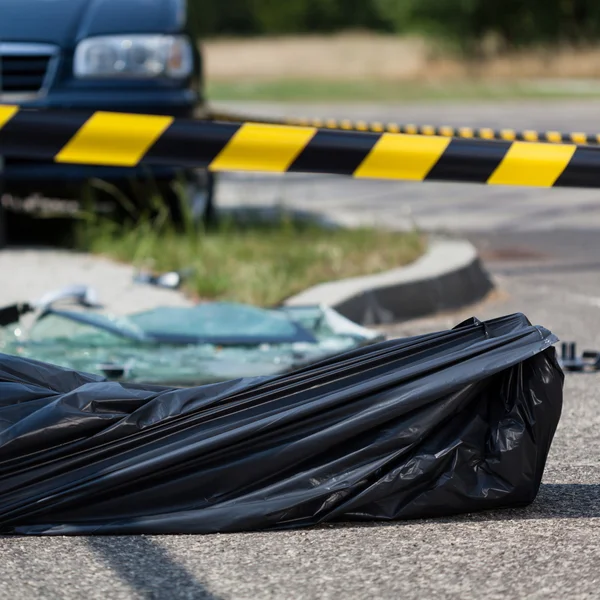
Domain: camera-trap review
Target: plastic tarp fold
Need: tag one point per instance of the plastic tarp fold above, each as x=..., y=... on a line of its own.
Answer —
x=432, y=425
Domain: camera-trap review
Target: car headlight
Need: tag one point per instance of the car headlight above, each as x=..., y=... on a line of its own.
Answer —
x=134, y=56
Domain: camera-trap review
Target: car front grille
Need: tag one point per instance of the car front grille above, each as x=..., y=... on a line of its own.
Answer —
x=24, y=68
x=23, y=73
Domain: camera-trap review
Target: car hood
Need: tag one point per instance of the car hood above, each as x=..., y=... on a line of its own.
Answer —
x=64, y=22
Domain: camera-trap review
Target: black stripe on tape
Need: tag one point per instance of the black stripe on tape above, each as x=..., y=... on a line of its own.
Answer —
x=40, y=135
x=340, y=152
x=469, y=161
x=190, y=143
x=583, y=170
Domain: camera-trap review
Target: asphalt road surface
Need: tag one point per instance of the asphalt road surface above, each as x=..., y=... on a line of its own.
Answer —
x=542, y=249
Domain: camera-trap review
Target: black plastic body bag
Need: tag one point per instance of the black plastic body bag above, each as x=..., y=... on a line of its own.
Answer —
x=434, y=425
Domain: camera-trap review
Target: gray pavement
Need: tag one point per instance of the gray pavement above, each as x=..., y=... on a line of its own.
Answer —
x=31, y=272
x=549, y=271
x=557, y=115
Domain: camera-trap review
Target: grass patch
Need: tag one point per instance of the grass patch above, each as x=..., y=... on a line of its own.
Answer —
x=319, y=90
x=253, y=261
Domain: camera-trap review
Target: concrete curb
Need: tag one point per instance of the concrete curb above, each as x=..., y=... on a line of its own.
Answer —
x=447, y=277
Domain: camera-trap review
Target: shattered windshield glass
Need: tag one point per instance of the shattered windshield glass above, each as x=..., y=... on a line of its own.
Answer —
x=220, y=323
x=186, y=346
x=88, y=329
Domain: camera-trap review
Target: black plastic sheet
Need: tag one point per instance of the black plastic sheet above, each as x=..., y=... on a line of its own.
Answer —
x=434, y=425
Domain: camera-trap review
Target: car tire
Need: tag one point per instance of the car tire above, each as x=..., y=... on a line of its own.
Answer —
x=3, y=229
x=199, y=195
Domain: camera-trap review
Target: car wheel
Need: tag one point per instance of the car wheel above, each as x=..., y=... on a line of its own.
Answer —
x=2, y=227
x=197, y=198
x=2, y=212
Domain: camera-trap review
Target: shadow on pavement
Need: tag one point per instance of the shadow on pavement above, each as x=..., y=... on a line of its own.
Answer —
x=564, y=501
x=148, y=568
x=554, y=501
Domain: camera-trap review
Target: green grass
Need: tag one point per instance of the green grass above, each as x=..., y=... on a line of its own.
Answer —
x=254, y=261
x=382, y=91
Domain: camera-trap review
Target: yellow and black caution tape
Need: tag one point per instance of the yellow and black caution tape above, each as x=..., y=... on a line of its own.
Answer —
x=128, y=140
x=482, y=133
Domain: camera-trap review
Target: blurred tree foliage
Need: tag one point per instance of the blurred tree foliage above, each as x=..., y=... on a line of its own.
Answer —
x=513, y=23
x=256, y=17
x=467, y=23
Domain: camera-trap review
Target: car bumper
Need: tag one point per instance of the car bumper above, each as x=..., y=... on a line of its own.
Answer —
x=31, y=174
x=175, y=102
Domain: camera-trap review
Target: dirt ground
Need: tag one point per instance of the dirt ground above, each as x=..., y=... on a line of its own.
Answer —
x=352, y=56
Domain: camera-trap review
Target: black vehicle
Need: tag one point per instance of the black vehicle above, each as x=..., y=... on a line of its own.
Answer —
x=119, y=55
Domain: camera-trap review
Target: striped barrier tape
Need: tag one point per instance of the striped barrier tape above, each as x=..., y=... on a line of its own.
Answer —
x=127, y=140
x=483, y=133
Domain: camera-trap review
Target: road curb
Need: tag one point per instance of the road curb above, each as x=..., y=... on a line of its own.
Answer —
x=448, y=276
